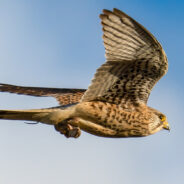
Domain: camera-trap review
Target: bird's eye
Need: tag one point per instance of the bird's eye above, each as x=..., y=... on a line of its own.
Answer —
x=162, y=118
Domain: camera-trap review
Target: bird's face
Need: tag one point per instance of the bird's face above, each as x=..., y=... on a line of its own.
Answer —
x=159, y=122
x=163, y=120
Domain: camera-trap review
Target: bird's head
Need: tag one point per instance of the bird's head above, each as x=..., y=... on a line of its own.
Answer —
x=164, y=122
x=159, y=122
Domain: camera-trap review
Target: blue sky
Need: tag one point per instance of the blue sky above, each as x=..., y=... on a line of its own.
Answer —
x=59, y=44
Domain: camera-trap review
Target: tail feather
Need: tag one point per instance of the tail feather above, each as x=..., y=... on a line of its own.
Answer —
x=38, y=115
x=47, y=116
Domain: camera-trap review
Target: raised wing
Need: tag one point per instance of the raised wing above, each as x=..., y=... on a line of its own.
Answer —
x=63, y=95
x=135, y=62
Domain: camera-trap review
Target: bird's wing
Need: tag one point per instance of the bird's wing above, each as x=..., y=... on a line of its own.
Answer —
x=64, y=96
x=135, y=61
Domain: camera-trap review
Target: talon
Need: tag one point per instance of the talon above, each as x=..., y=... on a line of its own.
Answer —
x=68, y=130
x=74, y=132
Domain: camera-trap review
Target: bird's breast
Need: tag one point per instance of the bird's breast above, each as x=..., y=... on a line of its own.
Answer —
x=114, y=117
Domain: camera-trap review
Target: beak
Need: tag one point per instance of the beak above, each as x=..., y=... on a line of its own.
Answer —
x=166, y=126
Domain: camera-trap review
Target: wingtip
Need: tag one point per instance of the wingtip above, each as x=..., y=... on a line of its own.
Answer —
x=119, y=13
x=115, y=11
x=102, y=16
x=106, y=11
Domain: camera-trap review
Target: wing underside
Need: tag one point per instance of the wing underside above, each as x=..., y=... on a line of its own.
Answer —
x=135, y=61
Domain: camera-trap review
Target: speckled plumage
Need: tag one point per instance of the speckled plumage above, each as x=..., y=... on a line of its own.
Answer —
x=114, y=105
x=64, y=96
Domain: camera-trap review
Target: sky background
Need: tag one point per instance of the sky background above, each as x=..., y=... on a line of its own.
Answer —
x=58, y=43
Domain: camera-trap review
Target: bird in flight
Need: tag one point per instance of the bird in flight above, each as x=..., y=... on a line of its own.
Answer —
x=115, y=103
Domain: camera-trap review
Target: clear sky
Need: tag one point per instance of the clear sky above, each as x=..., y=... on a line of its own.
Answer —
x=58, y=43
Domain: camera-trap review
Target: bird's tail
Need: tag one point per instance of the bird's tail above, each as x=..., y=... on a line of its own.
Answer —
x=46, y=116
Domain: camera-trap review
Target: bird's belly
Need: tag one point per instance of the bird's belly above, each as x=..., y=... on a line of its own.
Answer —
x=110, y=117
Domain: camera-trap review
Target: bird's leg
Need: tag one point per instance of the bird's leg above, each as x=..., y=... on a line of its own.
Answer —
x=83, y=117
x=68, y=130
x=91, y=127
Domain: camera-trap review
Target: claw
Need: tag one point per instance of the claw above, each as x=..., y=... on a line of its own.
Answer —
x=68, y=130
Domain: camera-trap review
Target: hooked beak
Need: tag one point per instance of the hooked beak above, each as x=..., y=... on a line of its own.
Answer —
x=166, y=126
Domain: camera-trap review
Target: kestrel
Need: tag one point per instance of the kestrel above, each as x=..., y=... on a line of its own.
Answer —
x=115, y=104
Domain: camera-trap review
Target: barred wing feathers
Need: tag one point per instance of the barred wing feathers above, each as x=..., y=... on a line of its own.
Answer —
x=63, y=95
x=135, y=62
